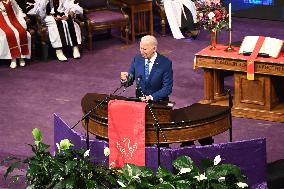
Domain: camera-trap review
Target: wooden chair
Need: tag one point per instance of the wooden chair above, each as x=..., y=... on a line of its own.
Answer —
x=100, y=15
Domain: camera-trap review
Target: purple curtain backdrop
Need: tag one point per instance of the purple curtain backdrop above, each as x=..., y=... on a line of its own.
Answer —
x=249, y=155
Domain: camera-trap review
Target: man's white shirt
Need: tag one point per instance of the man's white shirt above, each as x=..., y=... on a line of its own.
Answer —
x=152, y=61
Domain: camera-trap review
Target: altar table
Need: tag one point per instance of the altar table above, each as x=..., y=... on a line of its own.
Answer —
x=261, y=98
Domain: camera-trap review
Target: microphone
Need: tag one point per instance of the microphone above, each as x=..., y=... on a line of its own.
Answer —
x=139, y=92
x=128, y=82
x=139, y=78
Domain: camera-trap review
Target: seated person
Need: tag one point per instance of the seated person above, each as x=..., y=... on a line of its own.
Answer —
x=59, y=19
x=15, y=41
x=182, y=18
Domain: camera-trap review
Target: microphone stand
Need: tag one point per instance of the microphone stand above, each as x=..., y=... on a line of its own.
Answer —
x=87, y=115
x=156, y=126
x=230, y=117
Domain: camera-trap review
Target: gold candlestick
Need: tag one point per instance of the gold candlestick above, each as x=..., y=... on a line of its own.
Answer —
x=230, y=48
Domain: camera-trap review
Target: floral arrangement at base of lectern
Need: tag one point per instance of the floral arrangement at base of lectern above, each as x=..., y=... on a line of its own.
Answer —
x=212, y=16
x=73, y=169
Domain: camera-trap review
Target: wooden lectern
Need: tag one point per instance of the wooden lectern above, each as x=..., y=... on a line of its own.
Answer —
x=178, y=125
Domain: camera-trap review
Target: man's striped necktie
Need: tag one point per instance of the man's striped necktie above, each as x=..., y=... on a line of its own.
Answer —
x=147, y=72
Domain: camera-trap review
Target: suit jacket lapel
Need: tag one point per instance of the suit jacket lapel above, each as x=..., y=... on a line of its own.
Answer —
x=155, y=67
x=142, y=63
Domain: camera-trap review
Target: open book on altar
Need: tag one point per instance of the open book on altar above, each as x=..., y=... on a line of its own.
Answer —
x=271, y=47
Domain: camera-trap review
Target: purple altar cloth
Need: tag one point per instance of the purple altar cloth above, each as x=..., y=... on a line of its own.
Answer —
x=249, y=155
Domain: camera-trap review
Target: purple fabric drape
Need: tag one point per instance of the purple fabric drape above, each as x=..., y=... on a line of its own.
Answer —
x=62, y=131
x=249, y=155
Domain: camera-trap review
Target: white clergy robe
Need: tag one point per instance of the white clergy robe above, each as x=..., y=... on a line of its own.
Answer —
x=55, y=33
x=174, y=11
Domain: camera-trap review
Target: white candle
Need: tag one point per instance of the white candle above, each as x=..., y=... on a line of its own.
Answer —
x=230, y=15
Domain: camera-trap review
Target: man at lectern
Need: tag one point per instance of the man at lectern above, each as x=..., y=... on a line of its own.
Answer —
x=153, y=75
x=152, y=72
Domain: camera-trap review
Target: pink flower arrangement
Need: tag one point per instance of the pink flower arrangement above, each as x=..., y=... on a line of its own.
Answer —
x=209, y=2
x=212, y=15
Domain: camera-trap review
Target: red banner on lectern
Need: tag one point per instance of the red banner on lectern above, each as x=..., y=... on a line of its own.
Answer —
x=126, y=132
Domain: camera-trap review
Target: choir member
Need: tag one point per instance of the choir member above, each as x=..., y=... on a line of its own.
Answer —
x=15, y=41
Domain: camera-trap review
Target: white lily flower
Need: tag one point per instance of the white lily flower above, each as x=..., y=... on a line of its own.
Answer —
x=87, y=153
x=121, y=184
x=242, y=185
x=129, y=170
x=221, y=179
x=217, y=160
x=106, y=151
x=161, y=180
x=211, y=15
x=136, y=177
x=58, y=147
x=201, y=177
x=184, y=170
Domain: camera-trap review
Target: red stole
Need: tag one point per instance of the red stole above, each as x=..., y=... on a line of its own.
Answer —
x=250, y=61
x=11, y=38
x=126, y=132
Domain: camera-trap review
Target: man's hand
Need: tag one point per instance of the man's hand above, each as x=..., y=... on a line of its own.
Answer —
x=145, y=99
x=123, y=76
x=57, y=17
x=61, y=17
x=64, y=17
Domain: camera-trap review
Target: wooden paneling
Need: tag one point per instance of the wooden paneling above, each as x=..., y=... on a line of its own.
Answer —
x=252, y=94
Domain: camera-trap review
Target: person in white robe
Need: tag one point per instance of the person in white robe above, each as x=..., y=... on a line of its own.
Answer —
x=182, y=18
x=15, y=40
x=59, y=19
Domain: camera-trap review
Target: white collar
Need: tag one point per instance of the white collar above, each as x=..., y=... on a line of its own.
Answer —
x=153, y=57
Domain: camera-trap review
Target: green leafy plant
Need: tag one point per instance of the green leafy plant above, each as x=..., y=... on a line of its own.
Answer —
x=70, y=168
x=211, y=175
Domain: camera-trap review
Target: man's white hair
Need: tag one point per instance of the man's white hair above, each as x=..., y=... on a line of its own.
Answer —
x=150, y=39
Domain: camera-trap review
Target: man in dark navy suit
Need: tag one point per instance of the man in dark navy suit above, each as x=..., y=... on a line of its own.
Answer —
x=152, y=72
x=154, y=75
